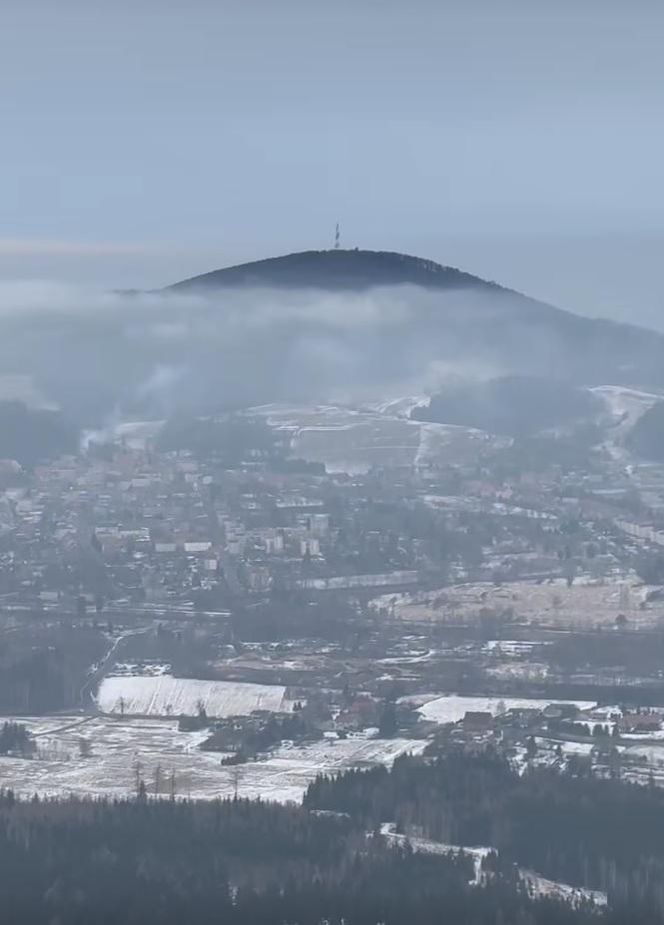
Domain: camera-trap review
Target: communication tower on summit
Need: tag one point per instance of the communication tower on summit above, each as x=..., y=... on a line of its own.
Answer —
x=337, y=238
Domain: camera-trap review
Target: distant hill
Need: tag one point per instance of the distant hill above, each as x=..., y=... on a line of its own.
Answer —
x=350, y=326
x=454, y=318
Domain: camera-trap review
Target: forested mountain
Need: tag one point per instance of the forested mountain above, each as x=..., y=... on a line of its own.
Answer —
x=449, y=315
x=317, y=326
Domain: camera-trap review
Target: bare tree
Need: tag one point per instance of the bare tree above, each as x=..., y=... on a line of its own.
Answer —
x=236, y=774
x=140, y=786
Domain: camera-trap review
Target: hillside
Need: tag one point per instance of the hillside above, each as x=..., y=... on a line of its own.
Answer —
x=30, y=436
x=513, y=405
x=341, y=326
x=646, y=438
x=448, y=317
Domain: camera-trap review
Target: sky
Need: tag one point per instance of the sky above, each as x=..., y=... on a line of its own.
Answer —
x=148, y=140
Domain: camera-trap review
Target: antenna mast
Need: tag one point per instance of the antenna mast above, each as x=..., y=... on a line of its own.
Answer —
x=337, y=238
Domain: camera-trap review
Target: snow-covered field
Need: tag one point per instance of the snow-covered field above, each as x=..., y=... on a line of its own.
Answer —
x=119, y=748
x=588, y=602
x=166, y=696
x=653, y=754
x=656, y=735
x=451, y=708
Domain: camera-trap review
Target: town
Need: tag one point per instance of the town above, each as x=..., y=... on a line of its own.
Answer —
x=233, y=605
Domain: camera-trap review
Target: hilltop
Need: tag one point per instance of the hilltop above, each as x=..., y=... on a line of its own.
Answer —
x=453, y=317
x=337, y=270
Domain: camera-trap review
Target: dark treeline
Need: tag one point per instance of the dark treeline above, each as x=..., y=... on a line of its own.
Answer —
x=292, y=614
x=261, y=737
x=628, y=695
x=515, y=405
x=232, y=439
x=647, y=436
x=15, y=739
x=239, y=863
x=602, y=834
x=638, y=654
x=42, y=671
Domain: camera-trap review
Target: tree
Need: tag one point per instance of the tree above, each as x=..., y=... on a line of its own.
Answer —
x=387, y=725
x=236, y=775
x=650, y=568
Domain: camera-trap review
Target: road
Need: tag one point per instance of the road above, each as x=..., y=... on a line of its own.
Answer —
x=87, y=702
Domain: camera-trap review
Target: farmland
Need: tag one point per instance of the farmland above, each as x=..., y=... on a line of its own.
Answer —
x=167, y=696
x=104, y=756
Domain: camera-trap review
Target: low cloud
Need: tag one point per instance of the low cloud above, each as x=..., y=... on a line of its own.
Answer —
x=150, y=354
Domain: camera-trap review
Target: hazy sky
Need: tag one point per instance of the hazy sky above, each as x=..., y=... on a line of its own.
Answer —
x=146, y=140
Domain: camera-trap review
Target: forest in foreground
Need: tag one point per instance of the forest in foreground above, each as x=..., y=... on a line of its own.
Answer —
x=239, y=862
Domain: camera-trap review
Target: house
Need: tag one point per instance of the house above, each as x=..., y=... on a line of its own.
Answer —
x=640, y=722
x=193, y=547
x=169, y=548
x=523, y=717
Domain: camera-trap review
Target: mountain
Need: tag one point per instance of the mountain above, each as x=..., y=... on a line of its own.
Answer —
x=446, y=317
x=317, y=326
